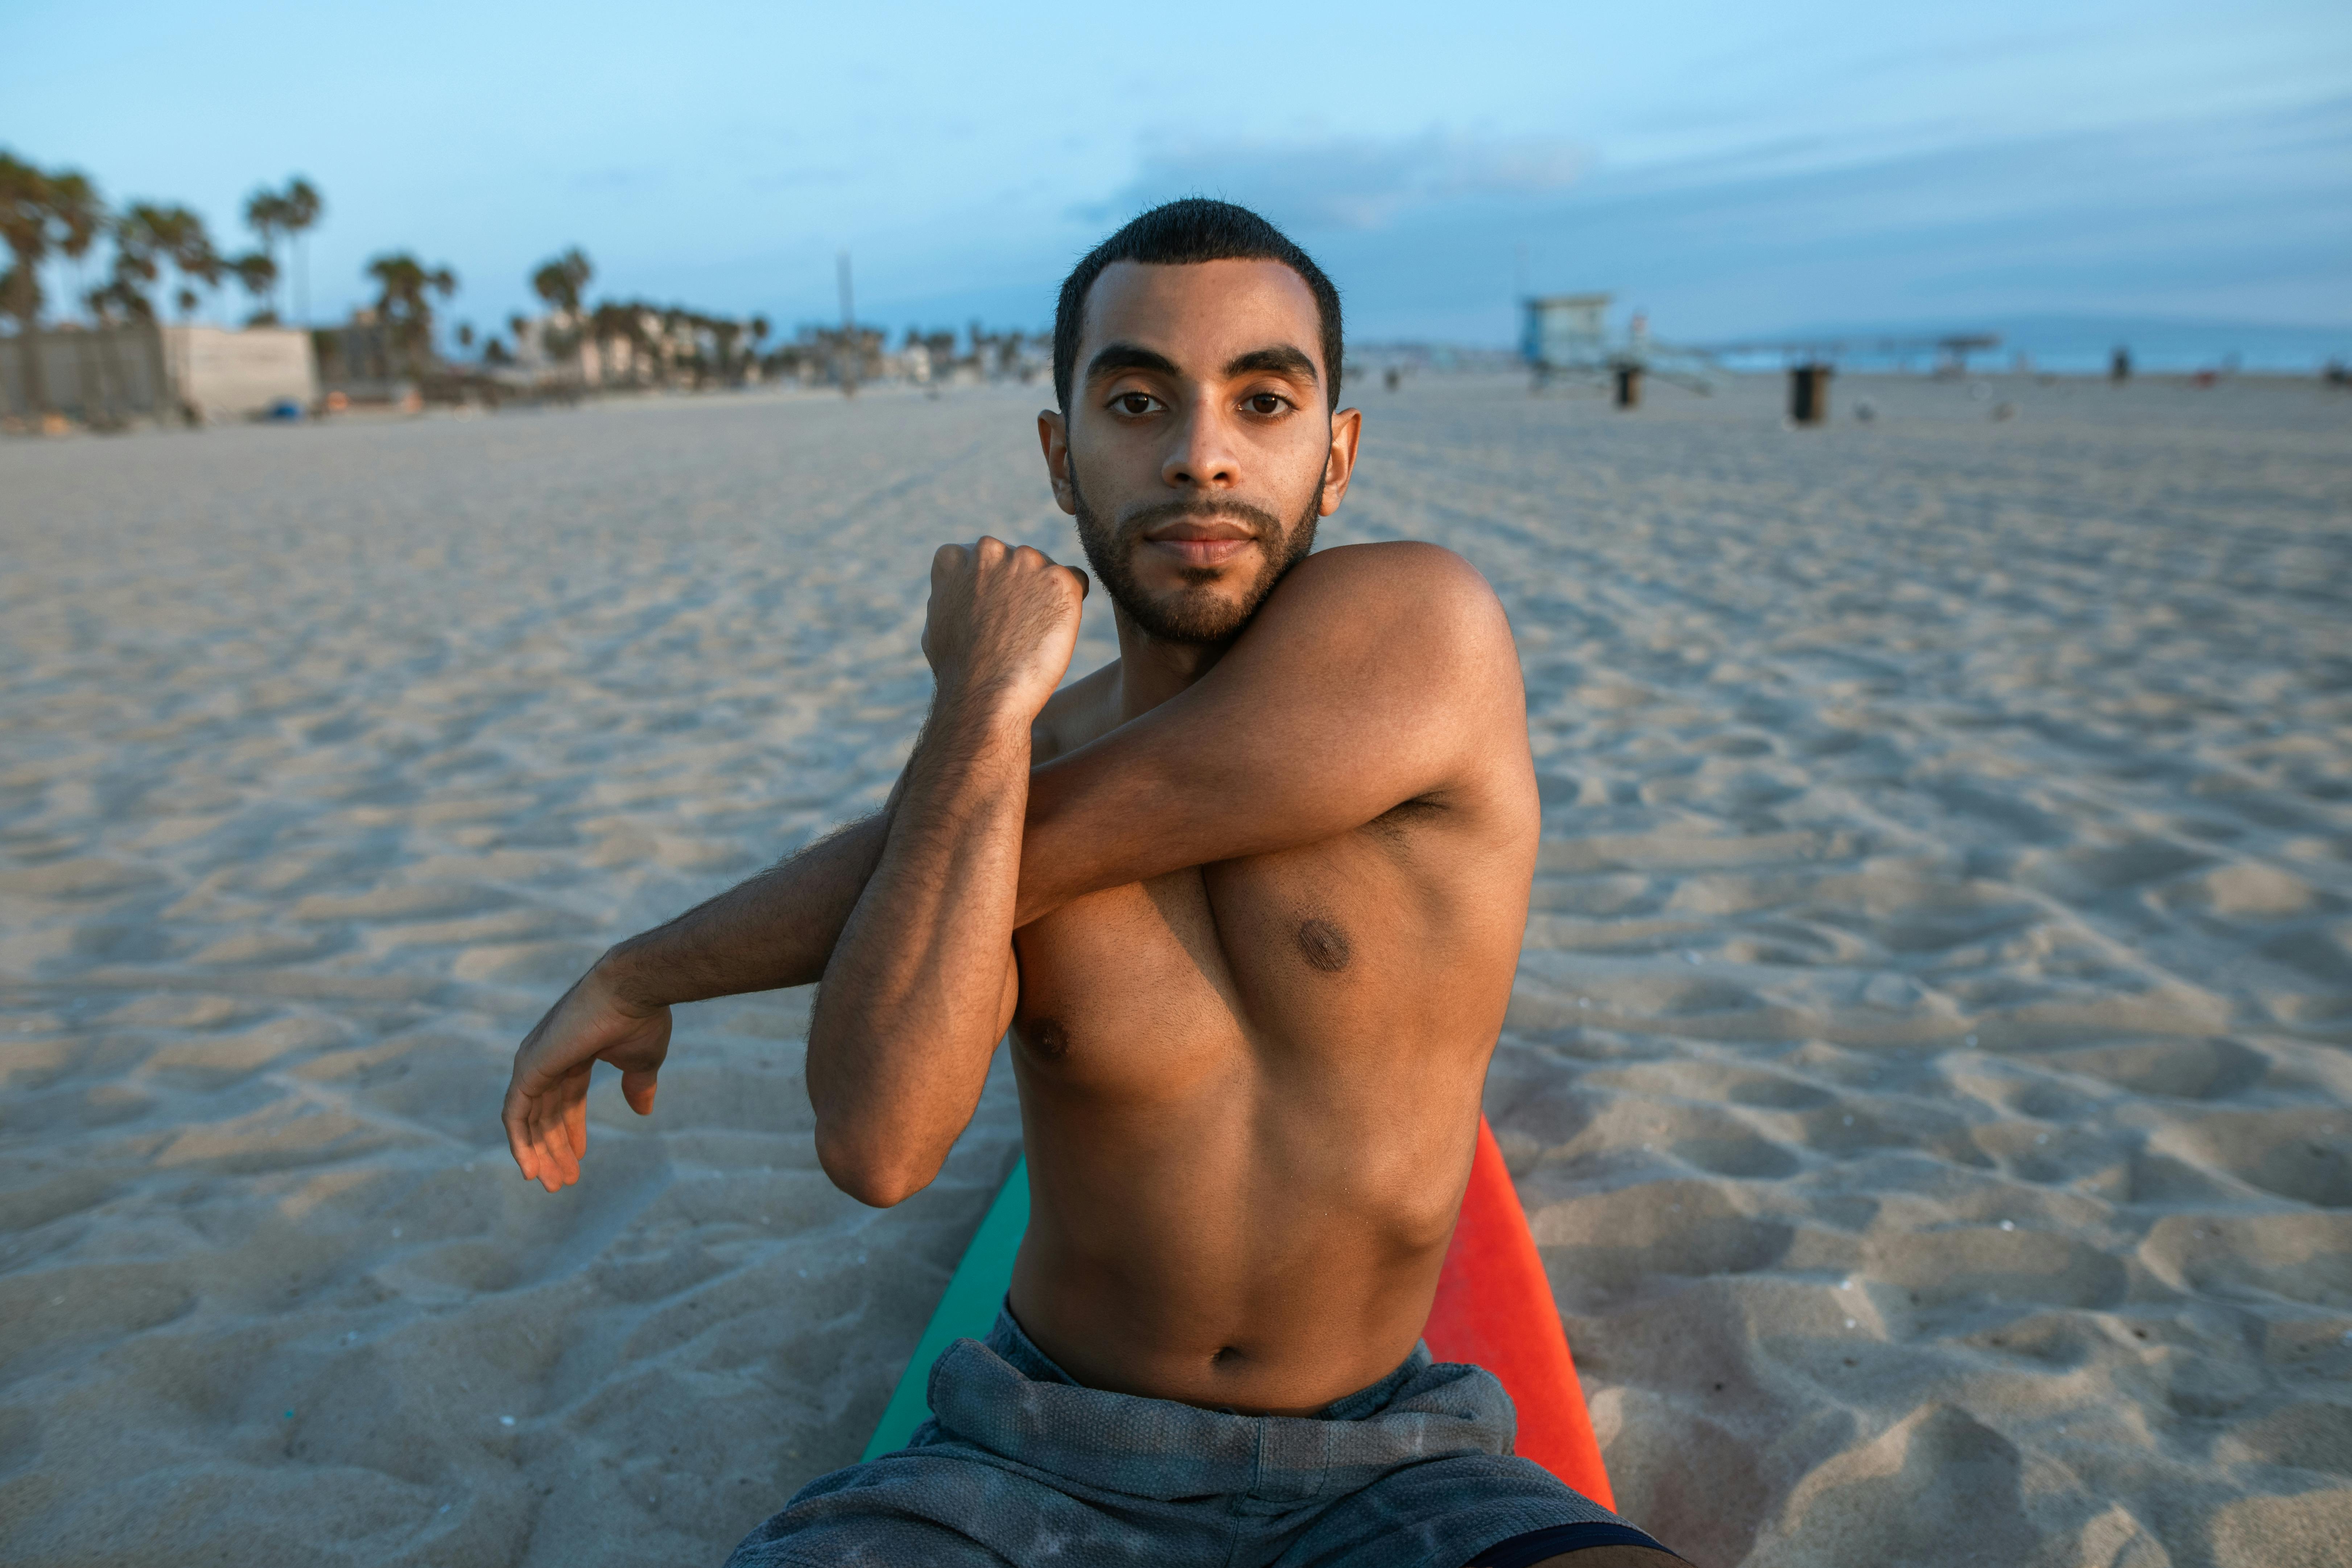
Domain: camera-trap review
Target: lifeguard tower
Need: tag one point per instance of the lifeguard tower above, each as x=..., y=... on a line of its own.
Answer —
x=1565, y=334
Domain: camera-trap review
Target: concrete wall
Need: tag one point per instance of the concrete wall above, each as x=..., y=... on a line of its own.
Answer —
x=226, y=375
x=102, y=377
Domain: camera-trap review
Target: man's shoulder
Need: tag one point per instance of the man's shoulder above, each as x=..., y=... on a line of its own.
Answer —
x=1415, y=598
x=1395, y=560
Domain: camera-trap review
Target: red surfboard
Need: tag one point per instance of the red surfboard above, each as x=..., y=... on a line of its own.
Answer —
x=1494, y=1306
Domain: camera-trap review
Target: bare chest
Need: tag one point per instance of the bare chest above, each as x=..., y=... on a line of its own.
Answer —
x=1161, y=987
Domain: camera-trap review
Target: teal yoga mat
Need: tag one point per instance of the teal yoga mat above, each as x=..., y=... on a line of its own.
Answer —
x=967, y=1310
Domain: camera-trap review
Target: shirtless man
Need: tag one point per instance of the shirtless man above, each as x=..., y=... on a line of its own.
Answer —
x=1249, y=899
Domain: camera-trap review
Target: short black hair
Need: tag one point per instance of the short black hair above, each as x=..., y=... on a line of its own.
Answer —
x=1179, y=233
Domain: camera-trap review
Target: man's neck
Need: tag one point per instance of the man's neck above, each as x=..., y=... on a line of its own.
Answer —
x=1151, y=670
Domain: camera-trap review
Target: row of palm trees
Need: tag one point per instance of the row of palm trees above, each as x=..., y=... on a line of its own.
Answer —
x=636, y=341
x=159, y=255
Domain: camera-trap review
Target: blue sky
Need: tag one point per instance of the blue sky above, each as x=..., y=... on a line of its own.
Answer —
x=1734, y=168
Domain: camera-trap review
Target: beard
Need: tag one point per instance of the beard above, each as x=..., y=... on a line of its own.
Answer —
x=1195, y=614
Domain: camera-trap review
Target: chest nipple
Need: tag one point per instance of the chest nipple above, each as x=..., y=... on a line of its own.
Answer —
x=1323, y=945
x=1047, y=1040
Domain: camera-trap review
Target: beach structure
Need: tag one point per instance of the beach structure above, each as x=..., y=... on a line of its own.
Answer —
x=1564, y=334
x=106, y=377
x=1567, y=336
x=226, y=374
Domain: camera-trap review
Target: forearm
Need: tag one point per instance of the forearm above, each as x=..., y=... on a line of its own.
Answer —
x=778, y=929
x=915, y=997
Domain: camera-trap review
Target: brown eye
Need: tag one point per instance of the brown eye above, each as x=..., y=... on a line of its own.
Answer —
x=1133, y=403
x=1265, y=403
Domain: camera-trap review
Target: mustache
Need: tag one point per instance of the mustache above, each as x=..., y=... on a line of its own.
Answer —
x=1263, y=523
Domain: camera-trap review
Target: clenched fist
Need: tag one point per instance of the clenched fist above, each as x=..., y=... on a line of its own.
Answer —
x=1002, y=624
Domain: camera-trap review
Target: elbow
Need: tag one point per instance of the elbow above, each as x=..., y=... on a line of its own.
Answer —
x=870, y=1170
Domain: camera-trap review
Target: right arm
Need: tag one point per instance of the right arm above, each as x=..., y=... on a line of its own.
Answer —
x=776, y=930
x=906, y=916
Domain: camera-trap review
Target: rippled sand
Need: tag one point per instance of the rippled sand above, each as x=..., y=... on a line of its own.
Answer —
x=1925, y=1076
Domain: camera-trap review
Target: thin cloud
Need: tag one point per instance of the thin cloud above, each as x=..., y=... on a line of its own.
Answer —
x=1353, y=183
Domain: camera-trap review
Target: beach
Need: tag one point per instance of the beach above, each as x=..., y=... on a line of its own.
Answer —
x=1925, y=1076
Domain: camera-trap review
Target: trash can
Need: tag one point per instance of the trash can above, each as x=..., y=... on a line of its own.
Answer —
x=1809, y=393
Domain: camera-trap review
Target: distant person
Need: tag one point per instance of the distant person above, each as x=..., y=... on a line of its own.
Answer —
x=1250, y=900
x=2119, y=366
x=1393, y=378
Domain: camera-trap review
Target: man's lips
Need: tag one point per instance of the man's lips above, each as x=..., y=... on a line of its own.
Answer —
x=1203, y=552
x=1200, y=542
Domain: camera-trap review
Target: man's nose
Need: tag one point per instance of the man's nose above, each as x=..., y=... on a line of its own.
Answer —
x=1204, y=455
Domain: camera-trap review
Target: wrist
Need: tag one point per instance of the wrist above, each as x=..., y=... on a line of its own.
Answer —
x=619, y=980
x=987, y=712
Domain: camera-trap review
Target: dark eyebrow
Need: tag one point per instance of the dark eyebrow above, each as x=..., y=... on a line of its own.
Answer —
x=1280, y=360
x=1117, y=357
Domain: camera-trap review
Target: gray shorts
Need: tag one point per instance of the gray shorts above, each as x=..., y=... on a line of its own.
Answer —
x=1021, y=1465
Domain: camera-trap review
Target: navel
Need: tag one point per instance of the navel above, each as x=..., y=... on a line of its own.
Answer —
x=1323, y=945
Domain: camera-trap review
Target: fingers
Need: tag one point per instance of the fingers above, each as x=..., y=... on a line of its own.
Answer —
x=638, y=1089
x=513, y=1115
x=547, y=1129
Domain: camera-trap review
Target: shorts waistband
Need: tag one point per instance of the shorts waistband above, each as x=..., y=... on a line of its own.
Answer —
x=1006, y=1395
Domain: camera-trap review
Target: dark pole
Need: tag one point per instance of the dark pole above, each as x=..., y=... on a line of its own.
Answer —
x=848, y=331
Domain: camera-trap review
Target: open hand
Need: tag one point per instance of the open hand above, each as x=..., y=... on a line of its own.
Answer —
x=546, y=1111
x=1002, y=622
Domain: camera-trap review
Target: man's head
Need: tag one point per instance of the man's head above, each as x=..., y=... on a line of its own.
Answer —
x=1196, y=359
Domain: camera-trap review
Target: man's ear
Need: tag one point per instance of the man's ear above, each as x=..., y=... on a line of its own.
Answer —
x=1053, y=435
x=1340, y=466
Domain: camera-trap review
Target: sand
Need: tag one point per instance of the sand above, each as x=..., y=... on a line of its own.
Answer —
x=1925, y=1076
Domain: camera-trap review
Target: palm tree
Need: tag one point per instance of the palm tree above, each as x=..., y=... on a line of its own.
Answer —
x=136, y=267
x=610, y=321
x=176, y=236
x=41, y=213
x=403, y=282
x=560, y=282
x=264, y=214
x=259, y=272
x=302, y=208
x=121, y=299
